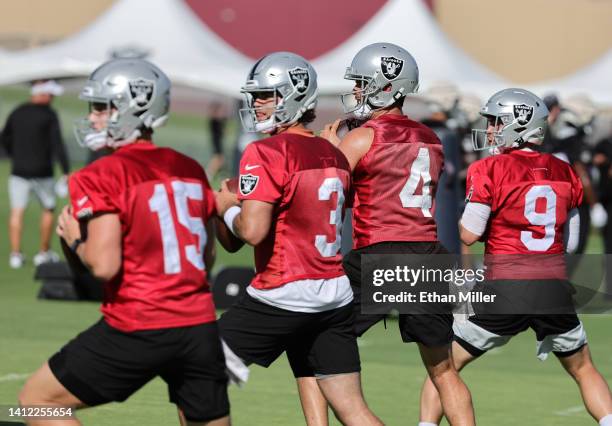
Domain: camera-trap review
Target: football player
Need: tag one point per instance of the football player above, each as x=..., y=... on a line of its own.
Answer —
x=518, y=203
x=289, y=206
x=139, y=219
x=396, y=164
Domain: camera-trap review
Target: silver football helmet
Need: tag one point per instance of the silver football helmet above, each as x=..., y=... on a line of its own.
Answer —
x=137, y=96
x=290, y=80
x=376, y=69
x=515, y=117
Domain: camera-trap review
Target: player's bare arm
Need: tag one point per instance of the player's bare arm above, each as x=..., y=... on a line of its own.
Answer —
x=101, y=252
x=355, y=143
x=253, y=223
x=468, y=238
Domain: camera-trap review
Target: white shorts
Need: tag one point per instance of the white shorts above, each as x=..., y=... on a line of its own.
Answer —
x=19, y=191
x=560, y=334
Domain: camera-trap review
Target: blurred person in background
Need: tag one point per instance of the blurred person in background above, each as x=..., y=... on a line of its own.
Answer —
x=442, y=99
x=32, y=139
x=602, y=159
x=468, y=111
x=243, y=139
x=569, y=126
x=216, y=125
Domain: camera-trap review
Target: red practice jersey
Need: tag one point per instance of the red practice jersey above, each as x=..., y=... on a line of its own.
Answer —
x=530, y=195
x=395, y=183
x=163, y=201
x=307, y=180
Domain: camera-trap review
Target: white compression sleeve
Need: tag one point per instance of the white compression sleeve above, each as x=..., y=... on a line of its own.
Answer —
x=475, y=217
x=229, y=217
x=573, y=231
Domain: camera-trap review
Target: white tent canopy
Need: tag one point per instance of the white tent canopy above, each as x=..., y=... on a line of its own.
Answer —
x=174, y=37
x=409, y=24
x=193, y=55
x=594, y=80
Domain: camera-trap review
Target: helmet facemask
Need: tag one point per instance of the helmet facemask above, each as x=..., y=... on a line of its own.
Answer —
x=357, y=102
x=248, y=115
x=85, y=132
x=493, y=140
x=515, y=117
x=135, y=96
x=507, y=133
x=280, y=115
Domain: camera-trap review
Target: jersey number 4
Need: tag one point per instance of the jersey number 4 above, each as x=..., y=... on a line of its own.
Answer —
x=547, y=219
x=160, y=204
x=418, y=171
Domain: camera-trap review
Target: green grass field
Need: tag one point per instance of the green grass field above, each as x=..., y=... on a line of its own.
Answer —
x=509, y=385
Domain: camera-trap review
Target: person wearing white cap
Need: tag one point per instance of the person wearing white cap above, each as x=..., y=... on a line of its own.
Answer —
x=32, y=138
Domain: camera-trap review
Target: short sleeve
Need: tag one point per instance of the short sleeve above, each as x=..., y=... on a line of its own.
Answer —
x=577, y=189
x=89, y=196
x=262, y=178
x=479, y=188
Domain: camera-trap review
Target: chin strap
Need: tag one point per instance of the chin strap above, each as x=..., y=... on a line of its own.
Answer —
x=122, y=142
x=96, y=140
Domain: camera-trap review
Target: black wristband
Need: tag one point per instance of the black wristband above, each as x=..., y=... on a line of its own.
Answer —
x=75, y=244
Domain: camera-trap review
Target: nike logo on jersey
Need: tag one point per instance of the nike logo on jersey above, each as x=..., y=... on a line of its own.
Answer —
x=249, y=167
x=82, y=201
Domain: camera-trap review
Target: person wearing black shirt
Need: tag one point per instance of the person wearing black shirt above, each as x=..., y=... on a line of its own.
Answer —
x=32, y=139
x=602, y=159
x=216, y=125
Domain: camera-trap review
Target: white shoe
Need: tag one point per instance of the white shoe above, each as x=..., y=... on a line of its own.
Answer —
x=45, y=257
x=16, y=260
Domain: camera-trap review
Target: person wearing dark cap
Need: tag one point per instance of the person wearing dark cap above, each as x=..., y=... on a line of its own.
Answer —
x=32, y=138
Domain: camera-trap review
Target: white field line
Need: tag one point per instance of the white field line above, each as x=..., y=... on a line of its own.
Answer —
x=11, y=377
x=570, y=411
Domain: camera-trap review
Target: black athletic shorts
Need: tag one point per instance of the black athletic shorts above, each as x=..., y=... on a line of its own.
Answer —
x=435, y=329
x=103, y=364
x=317, y=344
x=523, y=305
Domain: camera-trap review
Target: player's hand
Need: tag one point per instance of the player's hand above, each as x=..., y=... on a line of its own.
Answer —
x=599, y=216
x=225, y=199
x=330, y=132
x=61, y=187
x=67, y=226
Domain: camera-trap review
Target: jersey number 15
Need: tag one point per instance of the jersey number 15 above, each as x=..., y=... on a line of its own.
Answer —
x=160, y=204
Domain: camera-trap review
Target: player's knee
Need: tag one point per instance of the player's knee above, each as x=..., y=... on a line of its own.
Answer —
x=28, y=394
x=441, y=370
x=579, y=365
x=16, y=217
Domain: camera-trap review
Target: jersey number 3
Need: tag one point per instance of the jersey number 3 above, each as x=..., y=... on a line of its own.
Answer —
x=160, y=205
x=329, y=186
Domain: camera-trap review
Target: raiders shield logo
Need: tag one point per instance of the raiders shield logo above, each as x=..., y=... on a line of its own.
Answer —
x=299, y=78
x=523, y=114
x=142, y=92
x=248, y=183
x=391, y=67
